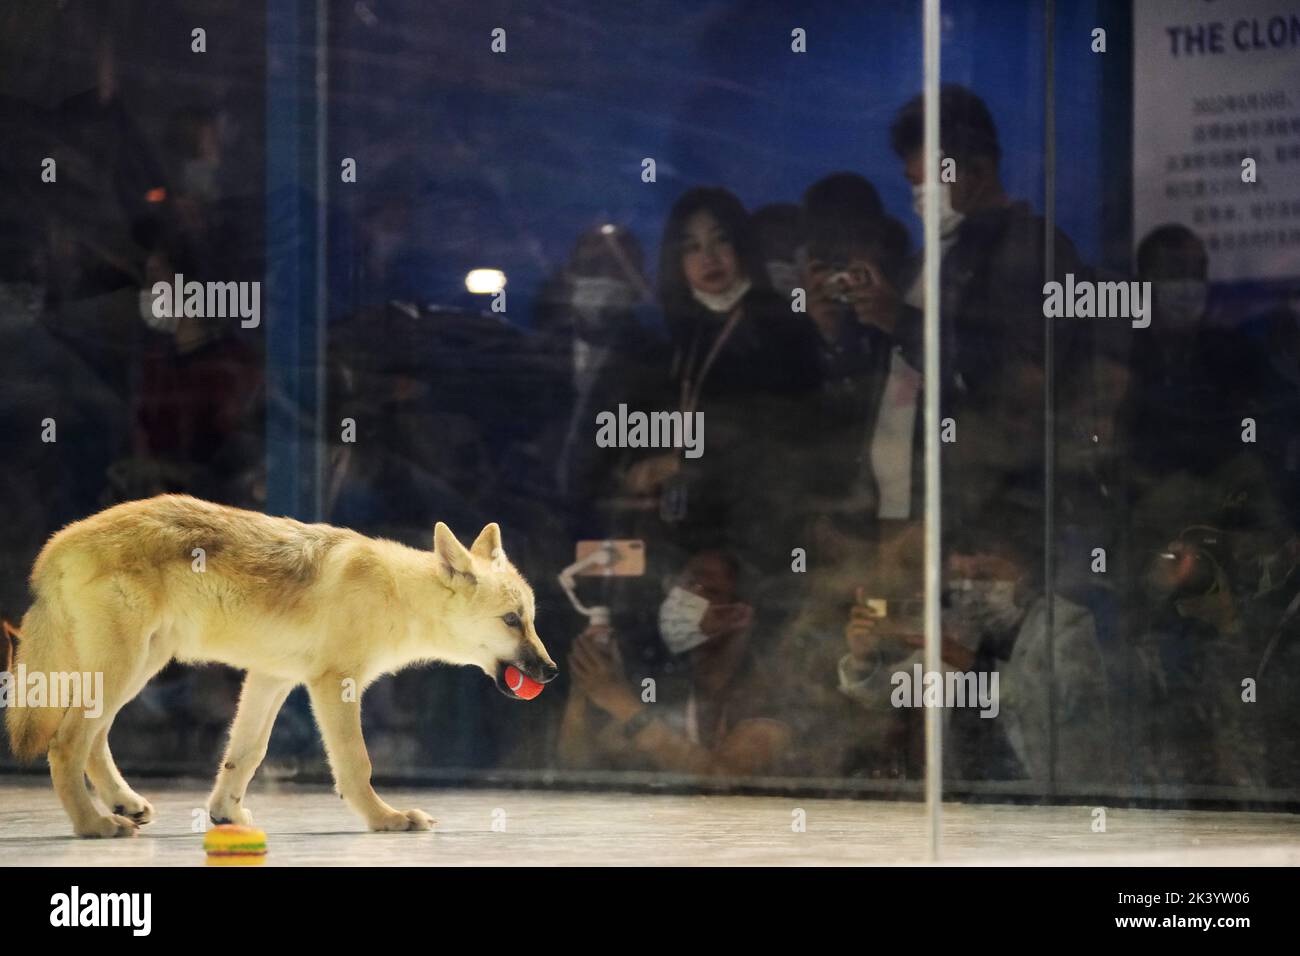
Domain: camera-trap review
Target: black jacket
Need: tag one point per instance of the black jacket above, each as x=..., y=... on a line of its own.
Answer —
x=756, y=405
x=992, y=333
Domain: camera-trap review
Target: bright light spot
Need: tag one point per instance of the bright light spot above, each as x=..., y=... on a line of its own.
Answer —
x=608, y=229
x=485, y=281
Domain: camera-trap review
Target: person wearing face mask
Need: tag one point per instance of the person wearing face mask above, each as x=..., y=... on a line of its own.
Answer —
x=779, y=227
x=714, y=725
x=589, y=323
x=1191, y=384
x=1186, y=376
x=999, y=603
x=994, y=621
x=992, y=255
x=1196, y=377
x=1194, y=382
x=743, y=359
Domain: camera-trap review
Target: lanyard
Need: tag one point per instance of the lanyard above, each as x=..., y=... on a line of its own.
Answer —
x=690, y=395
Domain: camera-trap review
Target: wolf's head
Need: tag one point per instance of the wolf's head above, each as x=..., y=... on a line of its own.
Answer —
x=493, y=608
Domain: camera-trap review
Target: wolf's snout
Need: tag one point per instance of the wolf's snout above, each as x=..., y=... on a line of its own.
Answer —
x=541, y=671
x=523, y=679
x=547, y=673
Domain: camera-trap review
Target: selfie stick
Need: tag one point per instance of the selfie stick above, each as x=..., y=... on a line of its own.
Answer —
x=604, y=556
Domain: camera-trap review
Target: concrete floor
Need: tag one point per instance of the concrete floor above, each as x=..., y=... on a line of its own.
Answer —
x=310, y=826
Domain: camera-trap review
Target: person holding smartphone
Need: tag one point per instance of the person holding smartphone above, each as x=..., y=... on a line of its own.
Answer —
x=714, y=726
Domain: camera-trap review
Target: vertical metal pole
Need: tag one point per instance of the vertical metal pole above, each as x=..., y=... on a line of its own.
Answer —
x=1049, y=377
x=294, y=287
x=933, y=568
x=320, y=459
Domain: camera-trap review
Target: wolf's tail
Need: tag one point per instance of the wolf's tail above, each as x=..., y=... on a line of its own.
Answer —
x=34, y=645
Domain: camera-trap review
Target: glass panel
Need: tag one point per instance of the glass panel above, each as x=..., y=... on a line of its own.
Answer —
x=627, y=301
x=134, y=171
x=1203, y=389
x=1099, y=283
x=463, y=263
x=627, y=179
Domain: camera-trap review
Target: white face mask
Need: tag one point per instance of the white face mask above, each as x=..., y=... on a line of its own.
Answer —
x=984, y=607
x=722, y=302
x=679, y=620
x=949, y=218
x=594, y=297
x=166, y=324
x=1180, y=302
x=783, y=275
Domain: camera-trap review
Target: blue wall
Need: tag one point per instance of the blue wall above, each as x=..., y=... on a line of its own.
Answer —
x=507, y=158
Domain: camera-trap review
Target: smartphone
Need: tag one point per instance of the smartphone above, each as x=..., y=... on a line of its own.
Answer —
x=901, y=620
x=906, y=609
x=879, y=607
x=629, y=558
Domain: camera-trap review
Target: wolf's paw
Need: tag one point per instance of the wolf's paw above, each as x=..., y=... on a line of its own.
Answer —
x=230, y=814
x=132, y=805
x=109, y=826
x=404, y=820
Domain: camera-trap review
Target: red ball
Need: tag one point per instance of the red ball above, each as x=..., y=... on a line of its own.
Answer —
x=523, y=685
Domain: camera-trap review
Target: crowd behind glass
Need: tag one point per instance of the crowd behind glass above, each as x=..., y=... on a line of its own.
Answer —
x=784, y=565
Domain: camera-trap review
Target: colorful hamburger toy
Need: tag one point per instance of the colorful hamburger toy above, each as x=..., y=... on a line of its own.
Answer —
x=231, y=845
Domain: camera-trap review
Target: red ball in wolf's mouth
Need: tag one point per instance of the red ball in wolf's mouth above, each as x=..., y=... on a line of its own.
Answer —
x=523, y=685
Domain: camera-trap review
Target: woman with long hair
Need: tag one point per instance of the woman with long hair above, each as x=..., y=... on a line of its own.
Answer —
x=740, y=356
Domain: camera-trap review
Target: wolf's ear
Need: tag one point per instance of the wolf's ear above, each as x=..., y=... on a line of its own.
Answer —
x=488, y=543
x=453, y=554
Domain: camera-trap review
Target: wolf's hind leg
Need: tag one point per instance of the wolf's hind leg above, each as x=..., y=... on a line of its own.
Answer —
x=259, y=702
x=80, y=745
x=69, y=754
x=110, y=785
x=340, y=725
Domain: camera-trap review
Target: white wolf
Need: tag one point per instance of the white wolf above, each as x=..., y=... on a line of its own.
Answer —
x=127, y=590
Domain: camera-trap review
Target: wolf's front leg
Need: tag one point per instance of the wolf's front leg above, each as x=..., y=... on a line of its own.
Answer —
x=259, y=702
x=340, y=725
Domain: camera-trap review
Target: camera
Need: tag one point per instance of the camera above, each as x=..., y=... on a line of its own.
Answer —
x=1191, y=564
x=843, y=279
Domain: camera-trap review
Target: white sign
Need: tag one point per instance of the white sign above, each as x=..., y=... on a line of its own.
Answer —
x=1215, y=84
